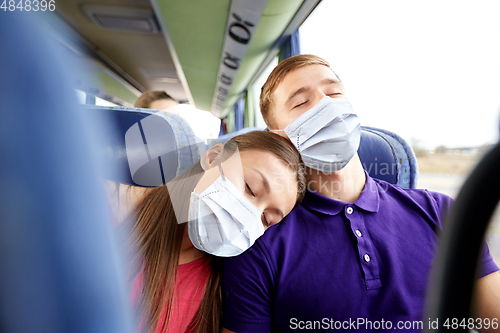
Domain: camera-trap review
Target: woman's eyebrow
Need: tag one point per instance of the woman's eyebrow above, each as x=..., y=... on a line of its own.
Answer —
x=264, y=180
x=268, y=190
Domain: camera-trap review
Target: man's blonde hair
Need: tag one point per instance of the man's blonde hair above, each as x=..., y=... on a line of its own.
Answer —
x=278, y=75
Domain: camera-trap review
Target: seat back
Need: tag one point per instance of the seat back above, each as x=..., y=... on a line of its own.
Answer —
x=383, y=154
x=150, y=147
x=60, y=270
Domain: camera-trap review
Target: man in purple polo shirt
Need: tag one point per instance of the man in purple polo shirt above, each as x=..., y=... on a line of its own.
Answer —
x=356, y=254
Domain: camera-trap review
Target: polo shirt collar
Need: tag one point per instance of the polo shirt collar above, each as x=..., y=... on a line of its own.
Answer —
x=368, y=200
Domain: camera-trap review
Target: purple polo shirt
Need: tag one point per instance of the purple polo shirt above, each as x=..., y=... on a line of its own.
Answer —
x=337, y=263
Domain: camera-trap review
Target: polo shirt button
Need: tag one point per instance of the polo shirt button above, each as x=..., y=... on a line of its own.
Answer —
x=367, y=258
x=358, y=233
x=349, y=210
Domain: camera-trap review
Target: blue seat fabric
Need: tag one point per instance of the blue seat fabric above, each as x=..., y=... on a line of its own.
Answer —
x=172, y=145
x=60, y=271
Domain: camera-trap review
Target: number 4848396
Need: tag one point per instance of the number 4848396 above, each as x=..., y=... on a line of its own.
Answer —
x=28, y=5
x=471, y=323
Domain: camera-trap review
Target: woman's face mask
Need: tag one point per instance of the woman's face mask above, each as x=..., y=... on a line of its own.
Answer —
x=327, y=135
x=237, y=199
x=222, y=221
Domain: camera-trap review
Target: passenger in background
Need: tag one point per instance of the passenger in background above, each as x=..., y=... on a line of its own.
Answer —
x=158, y=100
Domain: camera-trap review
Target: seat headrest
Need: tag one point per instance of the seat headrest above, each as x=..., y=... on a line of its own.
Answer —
x=387, y=156
x=151, y=147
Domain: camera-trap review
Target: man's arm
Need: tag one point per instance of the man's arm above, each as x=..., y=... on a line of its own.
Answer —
x=487, y=300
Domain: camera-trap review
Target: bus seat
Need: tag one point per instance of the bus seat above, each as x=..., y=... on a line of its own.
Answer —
x=60, y=269
x=149, y=146
x=383, y=154
x=387, y=156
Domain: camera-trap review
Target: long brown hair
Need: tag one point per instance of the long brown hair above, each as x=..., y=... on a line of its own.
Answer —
x=160, y=236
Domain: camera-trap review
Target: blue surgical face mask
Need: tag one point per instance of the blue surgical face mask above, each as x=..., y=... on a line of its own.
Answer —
x=327, y=135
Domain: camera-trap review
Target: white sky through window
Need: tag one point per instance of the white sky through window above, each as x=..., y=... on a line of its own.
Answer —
x=426, y=70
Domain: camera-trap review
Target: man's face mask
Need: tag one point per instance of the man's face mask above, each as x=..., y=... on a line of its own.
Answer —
x=327, y=135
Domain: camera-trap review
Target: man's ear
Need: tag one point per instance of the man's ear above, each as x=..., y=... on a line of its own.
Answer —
x=210, y=155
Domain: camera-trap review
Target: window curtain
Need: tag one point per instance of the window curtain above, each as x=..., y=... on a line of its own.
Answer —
x=239, y=115
x=291, y=47
x=250, y=107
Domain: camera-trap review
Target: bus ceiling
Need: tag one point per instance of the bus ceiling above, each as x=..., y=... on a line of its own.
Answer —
x=203, y=52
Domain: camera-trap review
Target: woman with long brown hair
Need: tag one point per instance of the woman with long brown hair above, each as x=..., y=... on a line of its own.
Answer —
x=179, y=283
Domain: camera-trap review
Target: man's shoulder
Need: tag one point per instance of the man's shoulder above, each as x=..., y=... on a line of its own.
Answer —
x=416, y=193
x=423, y=198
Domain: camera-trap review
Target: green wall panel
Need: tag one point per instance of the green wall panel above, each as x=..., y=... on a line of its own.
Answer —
x=197, y=31
x=107, y=83
x=196, y=28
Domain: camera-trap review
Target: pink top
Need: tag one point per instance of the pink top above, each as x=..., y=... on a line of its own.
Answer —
x=190, y=287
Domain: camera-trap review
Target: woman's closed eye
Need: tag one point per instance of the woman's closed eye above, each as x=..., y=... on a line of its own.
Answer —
x=264, y=221
x=249, y=190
